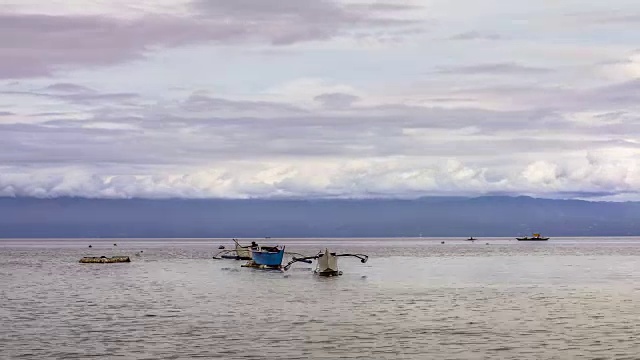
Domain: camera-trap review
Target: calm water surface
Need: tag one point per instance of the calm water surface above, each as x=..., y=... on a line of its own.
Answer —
x=414, y=299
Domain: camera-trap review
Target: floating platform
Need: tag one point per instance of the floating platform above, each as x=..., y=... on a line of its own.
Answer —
x=105, y=260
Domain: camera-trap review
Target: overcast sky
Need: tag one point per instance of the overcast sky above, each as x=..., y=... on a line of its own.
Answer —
x=318, y=98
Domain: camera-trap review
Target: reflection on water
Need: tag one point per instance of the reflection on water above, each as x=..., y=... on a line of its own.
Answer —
x=414, y=299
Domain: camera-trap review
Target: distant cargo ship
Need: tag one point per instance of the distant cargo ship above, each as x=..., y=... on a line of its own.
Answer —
x=535, y=237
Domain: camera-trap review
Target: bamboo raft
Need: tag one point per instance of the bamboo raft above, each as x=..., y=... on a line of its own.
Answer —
x=105, y=260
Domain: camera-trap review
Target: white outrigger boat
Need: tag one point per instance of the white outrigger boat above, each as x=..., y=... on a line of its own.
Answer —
x=327, y=262
x=239, y=253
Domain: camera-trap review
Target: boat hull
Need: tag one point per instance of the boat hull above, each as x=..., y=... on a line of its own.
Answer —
x=328, y=273
x=532, y=239
x=267, y=258
x=327, y=264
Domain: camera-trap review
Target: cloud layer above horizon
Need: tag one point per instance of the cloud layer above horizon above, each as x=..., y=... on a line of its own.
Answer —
x=319, y=98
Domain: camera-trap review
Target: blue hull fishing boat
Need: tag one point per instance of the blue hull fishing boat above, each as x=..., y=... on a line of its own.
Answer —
x=266, y=257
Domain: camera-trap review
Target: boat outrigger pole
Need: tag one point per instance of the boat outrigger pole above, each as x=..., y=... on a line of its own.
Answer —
x=363, y=258
x=224, y=254
x=327, y=262
x=307, y=260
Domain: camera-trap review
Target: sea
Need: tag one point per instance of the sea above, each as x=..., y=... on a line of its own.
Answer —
x=415, y=298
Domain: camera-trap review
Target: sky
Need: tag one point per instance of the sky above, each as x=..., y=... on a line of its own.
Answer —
x=319, y=98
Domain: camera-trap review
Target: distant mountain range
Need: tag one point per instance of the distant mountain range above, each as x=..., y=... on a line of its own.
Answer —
x=431, y=216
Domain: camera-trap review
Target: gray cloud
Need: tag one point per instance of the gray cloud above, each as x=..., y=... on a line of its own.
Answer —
x=623, y=19
x=476, y=35
x=75, y=94
x=206, y=104
x=89, y=98
x=404, y=152
x=610, y=17
x=452, y=99
x=330, y=13
x=203, y=129
x=32, y=45
x=36, y=45
x=605, y=98
x=626, y=93
x=68, y=88
x=336, y=100
x=285, y=22
x=495, y=69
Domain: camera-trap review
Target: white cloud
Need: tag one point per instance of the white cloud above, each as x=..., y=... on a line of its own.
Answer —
x=365, y=178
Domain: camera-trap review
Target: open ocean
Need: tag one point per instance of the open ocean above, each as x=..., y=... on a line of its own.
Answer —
x=567, y=298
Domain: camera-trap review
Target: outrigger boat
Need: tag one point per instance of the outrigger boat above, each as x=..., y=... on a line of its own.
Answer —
x=327, y=264
x=239, y=253
x=535, y=237
x=266, y=257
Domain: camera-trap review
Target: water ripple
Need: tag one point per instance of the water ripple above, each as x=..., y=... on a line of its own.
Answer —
x=452, y=301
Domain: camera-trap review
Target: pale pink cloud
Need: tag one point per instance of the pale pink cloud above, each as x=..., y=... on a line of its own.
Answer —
x=33, y=45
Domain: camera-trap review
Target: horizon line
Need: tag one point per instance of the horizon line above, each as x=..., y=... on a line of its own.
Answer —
x=311, y=198
x=427, y=238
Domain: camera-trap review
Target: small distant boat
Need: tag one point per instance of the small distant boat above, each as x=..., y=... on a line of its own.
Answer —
x=535, y=237
x=472, y=239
